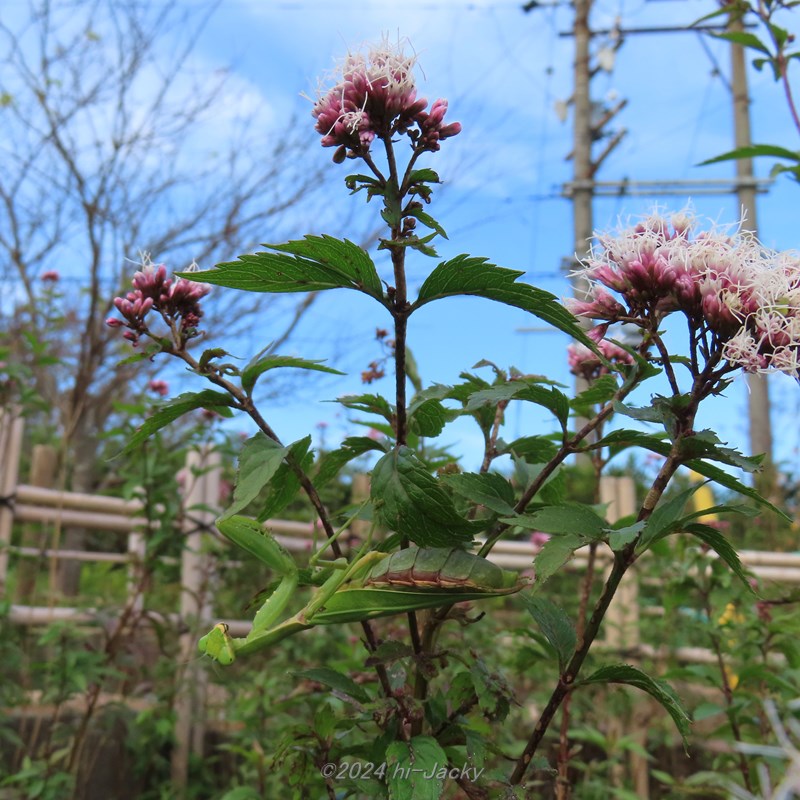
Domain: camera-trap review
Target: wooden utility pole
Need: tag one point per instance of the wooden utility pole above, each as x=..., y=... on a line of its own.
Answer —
x=585, y=130
x=582, y=192
x=758, y=400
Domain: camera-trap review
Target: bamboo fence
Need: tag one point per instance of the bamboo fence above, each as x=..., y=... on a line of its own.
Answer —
x=28, y=503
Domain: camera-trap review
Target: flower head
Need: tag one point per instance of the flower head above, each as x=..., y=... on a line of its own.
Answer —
x=375, y=95
x=159, y=387
x=743, y=295
x=177, y=301
x=587, y=364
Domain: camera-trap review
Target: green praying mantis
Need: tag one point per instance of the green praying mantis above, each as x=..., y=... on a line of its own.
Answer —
x=374, y=584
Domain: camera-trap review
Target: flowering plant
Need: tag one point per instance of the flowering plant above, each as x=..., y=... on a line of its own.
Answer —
x=432, y=526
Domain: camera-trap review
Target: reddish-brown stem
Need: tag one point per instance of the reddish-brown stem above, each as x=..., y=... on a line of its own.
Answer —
x=490, y=449
x=245, y=403
x=622, y=561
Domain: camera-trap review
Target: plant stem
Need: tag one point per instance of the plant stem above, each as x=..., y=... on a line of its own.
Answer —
x=622, y=561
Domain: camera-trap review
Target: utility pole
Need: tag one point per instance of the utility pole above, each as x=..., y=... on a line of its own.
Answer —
x=758, y=400
x=583, y=171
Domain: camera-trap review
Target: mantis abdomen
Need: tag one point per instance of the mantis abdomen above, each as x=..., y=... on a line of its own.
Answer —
x=440, y=568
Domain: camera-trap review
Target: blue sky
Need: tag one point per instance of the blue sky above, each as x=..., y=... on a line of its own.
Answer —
x=503, y=71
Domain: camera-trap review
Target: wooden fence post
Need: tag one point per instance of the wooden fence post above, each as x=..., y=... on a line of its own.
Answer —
x=202, y=494
x=43, y=475
x=11, y=427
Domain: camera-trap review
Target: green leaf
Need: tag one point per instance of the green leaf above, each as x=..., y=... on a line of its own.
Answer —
x=428, y=418
x=744, y=39
x=555, y=552
x=412, y=769
x=620, y=537
x=177, y=407
x=424, y=175
x=409, y=500
x=554, y=624
x=722, y=547
x=487, y=489
x=332, y=462
x=259, y=365
x=492, y=691
x=657, y=689
x=729, y=482
x=285, y=484
x=468, y=275
x=569, y=518
x=341, y=684
x=258, y=463
x=600, y=392
x=706, y=444
x=666, y=518
x=622, y=439
x=312, y=264
x=534, y=449
x=643, y=414
x=427, y=220
x=754, y=150
x=550, y=398
x=369, y=404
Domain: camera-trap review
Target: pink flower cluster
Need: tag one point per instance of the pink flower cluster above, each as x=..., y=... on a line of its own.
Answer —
x=586, y=364
x=375, y=95
x=159, y=387
x=178, y=302
x=745, y=295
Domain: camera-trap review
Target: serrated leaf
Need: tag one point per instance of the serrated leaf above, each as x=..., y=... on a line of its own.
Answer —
x=620, y=537
x=534, y=449
x=407, y=499
x=177, y=407
x=424, y=175
x=332, y=462
x=722, y=547
x=658, y=690
x=665, y=518
x=340, y=683
x=427, y=220
x=285, y=484
x=428, y=418
x=469, y=275
x=729, y=482
x=412, y=769
x=369, y=404
x=600, y=392
x=258, y=463
x=550, y=398
x=623, y=438
x=492, y=691
x=569, y=518
x=312, y=264
x=555, y=552
x=389, y=651
x=706, y=444
x=644, y=414
x=554, y=624
x=258, y=366
x=487, y=489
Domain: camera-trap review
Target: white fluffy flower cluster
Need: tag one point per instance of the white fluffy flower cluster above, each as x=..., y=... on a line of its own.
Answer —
x=728, y=283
